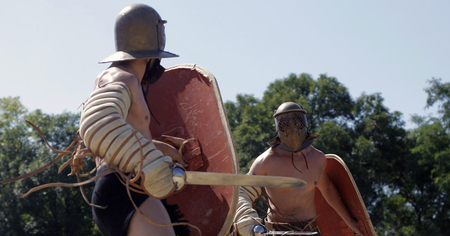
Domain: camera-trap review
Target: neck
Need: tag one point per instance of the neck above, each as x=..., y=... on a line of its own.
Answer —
x=305, y=144
x=136, y=67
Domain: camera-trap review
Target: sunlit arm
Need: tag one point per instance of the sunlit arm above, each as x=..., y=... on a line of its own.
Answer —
x=333, y=197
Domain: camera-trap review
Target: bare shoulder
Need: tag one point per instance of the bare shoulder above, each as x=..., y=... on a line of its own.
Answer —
x=316, y=152
x=318, y=155
x=115, y=74
x=261, y=163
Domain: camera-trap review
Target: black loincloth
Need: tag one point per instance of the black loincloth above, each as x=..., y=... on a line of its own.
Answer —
x=114, y=220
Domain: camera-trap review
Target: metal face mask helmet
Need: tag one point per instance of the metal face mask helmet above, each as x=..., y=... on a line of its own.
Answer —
x=292, y=128
x=139, y=33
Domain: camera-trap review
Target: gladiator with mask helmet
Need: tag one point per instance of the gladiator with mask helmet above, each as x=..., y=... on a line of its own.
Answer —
x=114, y=125
x=290, y=155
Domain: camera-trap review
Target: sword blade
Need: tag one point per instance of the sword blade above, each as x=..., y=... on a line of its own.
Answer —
x=210, y=178
x=288, y=233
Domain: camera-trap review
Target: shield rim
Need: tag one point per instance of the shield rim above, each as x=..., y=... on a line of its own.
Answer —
x=367, y=221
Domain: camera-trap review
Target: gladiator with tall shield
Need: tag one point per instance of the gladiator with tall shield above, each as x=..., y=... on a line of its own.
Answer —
x=290, y=211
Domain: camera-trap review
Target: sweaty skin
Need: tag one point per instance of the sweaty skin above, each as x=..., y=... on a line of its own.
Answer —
x=292, y=205
x=131, y=73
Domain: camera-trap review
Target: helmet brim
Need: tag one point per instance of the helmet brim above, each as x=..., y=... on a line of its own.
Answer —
x=140, y=54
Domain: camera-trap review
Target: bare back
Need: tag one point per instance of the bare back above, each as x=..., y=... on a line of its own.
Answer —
x=291, y=204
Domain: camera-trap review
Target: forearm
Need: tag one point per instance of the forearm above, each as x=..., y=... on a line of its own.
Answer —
x=246, y=218
x=334, y=199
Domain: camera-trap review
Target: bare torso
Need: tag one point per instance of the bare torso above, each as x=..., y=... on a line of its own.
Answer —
x=291, y=204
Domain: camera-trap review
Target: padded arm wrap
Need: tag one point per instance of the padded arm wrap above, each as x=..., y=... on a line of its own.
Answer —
x=246, y=217
x=106, y=133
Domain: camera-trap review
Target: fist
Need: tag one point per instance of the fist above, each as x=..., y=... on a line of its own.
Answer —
x=156, y=178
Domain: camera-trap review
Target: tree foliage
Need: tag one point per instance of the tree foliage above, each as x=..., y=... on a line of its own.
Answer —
x=53, y=211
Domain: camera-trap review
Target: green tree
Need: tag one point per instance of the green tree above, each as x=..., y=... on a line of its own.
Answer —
x=52, y=211
x=425, y=188
x=439, y=94
x=13, y=148
x=417, y=201
x=248, y=119
x=378, y=156
x=426, y=198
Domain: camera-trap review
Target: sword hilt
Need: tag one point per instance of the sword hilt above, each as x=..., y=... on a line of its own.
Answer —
x=179, y=177
x=258, y=230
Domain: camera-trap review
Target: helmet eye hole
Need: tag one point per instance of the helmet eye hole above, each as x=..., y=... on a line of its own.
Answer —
x=283, y=124
x=298, y=122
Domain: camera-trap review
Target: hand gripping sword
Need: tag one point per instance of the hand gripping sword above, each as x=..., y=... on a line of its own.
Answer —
x=182, y=177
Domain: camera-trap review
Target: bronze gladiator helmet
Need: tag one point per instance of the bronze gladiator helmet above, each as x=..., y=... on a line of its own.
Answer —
x=139, y=33
x=292, y=128
x=288, y=107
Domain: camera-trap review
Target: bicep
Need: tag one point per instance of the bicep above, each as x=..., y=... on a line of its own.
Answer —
x=324, y=184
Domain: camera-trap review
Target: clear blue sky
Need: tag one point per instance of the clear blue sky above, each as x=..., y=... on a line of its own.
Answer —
x=50, y=49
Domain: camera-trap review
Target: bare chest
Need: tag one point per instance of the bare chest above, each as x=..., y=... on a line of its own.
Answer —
x=296, y=202
x=297, y=166
x=139, y=115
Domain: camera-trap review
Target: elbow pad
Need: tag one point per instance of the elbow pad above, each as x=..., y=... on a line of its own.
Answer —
x=106, y=133
x=246, y=217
